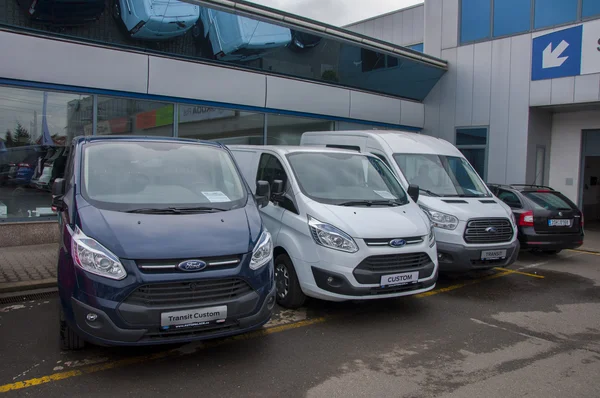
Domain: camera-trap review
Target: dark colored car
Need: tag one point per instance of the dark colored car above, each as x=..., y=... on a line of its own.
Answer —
x=546, y=219
x=303, y=41
x=63, y=12
x=161, y=242
x=24, y=173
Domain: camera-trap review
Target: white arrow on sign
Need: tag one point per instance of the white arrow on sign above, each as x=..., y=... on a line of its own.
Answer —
x=552, y=58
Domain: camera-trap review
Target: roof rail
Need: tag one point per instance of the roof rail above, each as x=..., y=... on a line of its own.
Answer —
x=532, y=186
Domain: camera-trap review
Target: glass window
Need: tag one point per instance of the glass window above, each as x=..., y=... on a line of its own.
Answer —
x=475, y=21
x=271, y=169
x=441, y=175
x=475, y=136
x=124, y=116
x=187, y=30
x=472, y=142
x=549, y=200
x=228, y=126
x=128, y=176
x=417, y=47
x=510, y=198
x=344, y=179
x=590, y=8
x=287, y=130
x=35, y=129
x=477, y=159
x=511, y=16
x=554, y=12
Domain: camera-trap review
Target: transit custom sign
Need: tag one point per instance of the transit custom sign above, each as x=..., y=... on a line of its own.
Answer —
x=568, y=52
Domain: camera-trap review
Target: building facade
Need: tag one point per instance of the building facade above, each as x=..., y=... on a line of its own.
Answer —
x=522, y=105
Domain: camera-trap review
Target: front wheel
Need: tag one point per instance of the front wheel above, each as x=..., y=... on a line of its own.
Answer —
x=69, y=340
x=289, y=293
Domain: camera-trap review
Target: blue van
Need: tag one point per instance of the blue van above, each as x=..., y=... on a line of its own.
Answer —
x=161, y=242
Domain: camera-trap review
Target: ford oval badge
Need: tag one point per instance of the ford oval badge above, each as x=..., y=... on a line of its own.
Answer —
x=191, y=265
x=397, y=242
x=491, y=230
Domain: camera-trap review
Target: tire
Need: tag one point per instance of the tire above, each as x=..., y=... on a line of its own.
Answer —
x=289, y=293
x=69, y=340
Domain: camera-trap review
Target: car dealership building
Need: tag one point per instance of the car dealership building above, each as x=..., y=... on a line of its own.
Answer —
x=514, y=84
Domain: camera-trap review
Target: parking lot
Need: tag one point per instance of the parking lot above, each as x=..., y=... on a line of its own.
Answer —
x=533, y=329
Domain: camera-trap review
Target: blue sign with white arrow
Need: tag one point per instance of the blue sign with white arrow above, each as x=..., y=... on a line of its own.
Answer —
x=557, y=54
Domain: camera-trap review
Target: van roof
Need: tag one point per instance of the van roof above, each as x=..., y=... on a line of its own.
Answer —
x=402, y=141
x=287, y=149
x=107, y=138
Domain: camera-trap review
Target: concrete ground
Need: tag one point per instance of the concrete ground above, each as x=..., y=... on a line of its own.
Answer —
x=532, y=331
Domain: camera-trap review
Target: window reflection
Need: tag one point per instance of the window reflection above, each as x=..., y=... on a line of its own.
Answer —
x=120, y=116
x=287, y=130
x=35, y=128
x=184, y=29
x=227, y=126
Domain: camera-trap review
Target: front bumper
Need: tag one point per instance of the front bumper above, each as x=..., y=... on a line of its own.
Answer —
x=461, y=258
x=103, y=331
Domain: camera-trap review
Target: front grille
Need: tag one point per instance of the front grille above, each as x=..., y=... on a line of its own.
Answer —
x=481, y=231
x=386, y=241
x=192, y=332
x=394, y=262
x=169, y=266
x=206, y=291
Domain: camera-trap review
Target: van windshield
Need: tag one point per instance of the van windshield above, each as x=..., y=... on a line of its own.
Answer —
x=135, y=175
x=346, y=179
x=440, y=175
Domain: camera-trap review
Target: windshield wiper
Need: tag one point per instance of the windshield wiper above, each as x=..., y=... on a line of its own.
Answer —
x=429, y=192
x=370, y=203
x=175, y=210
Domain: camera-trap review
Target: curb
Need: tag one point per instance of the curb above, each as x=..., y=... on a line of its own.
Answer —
x=27, y=285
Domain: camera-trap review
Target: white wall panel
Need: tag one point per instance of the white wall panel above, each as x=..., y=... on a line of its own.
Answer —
x=565, y=158
x=587, y=88
x=464, y=86
x=407, y=26
x=433, y=28
x=518, y=122
x=412, y=114
x=482, y=81
x=563, y=90
x=499, y=115
x=540, y=92
x=448, y=97
x=52, y=61
x=294, y=95
x=370, y=28
x=397, y=35
x=432, y=112
x=373, y=107
x=450, y=24
x=388, y=28
x=197, y=81
x=419, y=23
x=378, y=28
x=540, y=134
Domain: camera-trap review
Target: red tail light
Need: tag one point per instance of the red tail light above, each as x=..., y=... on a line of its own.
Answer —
x=544, y=190
x=526, y=219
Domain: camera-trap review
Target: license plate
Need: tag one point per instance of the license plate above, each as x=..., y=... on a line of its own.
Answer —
x=191, y=318
x=559, y=223
x=493, y=254
x=405, y=278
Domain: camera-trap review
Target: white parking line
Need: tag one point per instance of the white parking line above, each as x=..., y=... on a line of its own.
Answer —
x=548, y=261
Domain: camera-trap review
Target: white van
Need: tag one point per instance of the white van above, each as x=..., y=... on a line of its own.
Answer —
x=342, y=225
x=473, y=229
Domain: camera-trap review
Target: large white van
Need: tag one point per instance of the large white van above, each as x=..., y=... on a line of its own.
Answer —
x=473, y=229
x=342, y=225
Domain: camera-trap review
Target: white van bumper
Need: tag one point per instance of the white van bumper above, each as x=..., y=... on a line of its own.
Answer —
x=454, y=257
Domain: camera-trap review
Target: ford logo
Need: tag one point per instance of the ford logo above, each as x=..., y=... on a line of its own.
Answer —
x=397, y=242
x=491, y=230
x=191, y=265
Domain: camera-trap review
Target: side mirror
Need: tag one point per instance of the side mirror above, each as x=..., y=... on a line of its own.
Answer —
x=263, y=193
x=413, y=192
x=277, y=187
x=58, y=187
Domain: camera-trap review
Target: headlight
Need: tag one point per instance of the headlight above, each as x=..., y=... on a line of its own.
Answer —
x=94, y=258
x=329, y=236
x=263, y=251
x=441, y=220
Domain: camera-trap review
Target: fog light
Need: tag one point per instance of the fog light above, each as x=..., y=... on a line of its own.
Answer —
x=91, y=317
x=330, y=280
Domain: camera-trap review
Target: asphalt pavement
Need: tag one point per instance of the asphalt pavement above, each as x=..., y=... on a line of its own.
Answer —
x=532, y=330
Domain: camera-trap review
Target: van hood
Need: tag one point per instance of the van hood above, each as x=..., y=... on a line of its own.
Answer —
x=467, y=208
x=172, y=236
x=374, y=222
